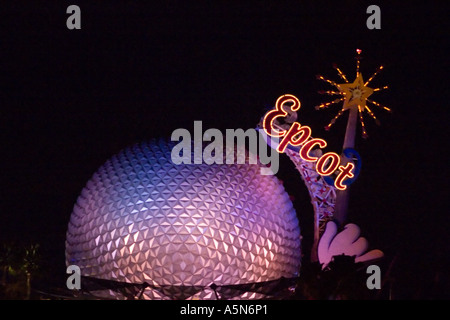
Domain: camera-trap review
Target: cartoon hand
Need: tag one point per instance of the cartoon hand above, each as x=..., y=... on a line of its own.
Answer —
x=346, y=242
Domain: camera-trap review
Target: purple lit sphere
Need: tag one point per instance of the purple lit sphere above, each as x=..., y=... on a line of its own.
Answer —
x=141, y=218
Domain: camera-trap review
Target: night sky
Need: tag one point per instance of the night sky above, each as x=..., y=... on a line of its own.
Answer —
x=70, y=99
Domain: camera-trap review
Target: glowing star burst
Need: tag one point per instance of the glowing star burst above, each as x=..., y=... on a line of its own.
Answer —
x=354, y=95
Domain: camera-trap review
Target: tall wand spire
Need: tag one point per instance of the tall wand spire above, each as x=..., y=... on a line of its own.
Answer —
x=354, y=97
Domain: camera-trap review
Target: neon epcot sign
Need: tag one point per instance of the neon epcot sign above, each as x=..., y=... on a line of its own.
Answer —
x=300, y=136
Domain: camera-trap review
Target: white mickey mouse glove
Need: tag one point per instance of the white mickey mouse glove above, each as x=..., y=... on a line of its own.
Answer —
x=346, y=242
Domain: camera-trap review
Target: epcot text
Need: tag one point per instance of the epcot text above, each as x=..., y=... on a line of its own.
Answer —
x=300, y=136
x=213, y=153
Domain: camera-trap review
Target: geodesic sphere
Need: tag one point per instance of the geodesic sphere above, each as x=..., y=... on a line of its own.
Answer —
x=141, y=218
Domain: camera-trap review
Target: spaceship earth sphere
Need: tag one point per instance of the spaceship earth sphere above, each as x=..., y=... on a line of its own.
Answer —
x=142, y=218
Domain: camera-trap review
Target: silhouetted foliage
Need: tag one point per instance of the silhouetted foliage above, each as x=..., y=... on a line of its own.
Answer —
x=18, y=263
x=342, y=279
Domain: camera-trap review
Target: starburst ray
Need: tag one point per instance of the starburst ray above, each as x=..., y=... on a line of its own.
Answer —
x=327, y=104
x=341, y=74
x=361, y=119
x=379, y=105
x=334, y=119
x=382, y=88
x=374, y=75
x=358, y=61
x=327, y=80
x=373, y=115
x=329, y=92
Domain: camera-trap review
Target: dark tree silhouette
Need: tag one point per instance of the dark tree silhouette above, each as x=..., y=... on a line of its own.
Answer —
x=30, y=265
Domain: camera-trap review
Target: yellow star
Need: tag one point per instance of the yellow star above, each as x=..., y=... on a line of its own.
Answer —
x=355, y=93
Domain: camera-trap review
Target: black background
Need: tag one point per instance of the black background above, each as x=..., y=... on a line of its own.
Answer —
x=70, y=99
